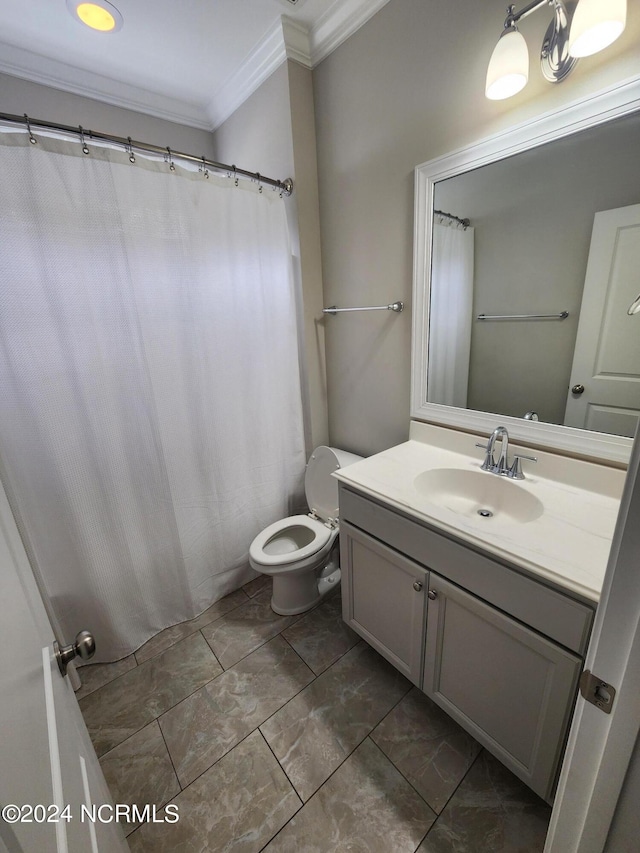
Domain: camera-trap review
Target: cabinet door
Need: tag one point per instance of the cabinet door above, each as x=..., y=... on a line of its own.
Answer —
x=508, y=686
x=383, y=599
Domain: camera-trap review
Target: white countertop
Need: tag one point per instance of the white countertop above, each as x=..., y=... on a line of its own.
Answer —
x=568, y=544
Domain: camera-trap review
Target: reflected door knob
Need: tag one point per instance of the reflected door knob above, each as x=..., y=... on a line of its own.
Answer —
x=84, y=647
x=577, y=389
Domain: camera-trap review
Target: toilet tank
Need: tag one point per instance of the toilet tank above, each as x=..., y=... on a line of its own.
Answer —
x=321, y=489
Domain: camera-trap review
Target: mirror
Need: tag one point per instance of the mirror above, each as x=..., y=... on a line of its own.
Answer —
x=514, y=309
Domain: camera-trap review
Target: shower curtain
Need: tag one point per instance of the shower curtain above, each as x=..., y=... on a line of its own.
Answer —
x=450, y=311
x=150, y=392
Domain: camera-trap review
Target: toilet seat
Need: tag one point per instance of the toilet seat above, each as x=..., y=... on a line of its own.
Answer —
x=317, y=533
x=300, y=553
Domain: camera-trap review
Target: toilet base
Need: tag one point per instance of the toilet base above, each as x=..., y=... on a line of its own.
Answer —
x=298, y=593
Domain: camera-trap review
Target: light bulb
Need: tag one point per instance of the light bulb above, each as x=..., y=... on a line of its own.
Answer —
x=96, y=17
x=595, y=25
x=508, y=70
x=99, y=15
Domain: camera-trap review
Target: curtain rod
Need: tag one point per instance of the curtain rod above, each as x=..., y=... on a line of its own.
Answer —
x=464, y=222
x=285, y=186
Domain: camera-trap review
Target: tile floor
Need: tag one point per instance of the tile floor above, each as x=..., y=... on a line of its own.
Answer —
x=291, y=735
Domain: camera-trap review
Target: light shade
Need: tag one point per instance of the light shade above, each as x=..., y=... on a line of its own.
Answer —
x=508, y=70
x=99, y=15
x=595, y=25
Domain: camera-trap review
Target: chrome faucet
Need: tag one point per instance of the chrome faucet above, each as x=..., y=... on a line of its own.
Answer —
x=489, y=464
x=502, y=467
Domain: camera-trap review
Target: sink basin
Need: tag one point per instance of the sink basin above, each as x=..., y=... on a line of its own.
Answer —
x=479, y=495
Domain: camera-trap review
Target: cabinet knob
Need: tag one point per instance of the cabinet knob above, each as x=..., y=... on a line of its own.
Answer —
x=417, y=586
x=432, y=594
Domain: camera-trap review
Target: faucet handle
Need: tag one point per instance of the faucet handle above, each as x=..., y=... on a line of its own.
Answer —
x=489, y=462
x=515, y=472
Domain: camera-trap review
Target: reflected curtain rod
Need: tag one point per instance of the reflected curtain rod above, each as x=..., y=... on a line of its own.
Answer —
x=129, y=145
x=464, y=222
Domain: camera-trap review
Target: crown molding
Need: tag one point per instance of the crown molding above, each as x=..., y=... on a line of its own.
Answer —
x=27, y=65
x=287, y=39
x=297, y=41
x=260, y=64
x=290, y=40
x=340, y=22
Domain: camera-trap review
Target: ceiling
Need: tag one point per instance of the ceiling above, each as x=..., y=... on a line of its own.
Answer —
x=192, y=62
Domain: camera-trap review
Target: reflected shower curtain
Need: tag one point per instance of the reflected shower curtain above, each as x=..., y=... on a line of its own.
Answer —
x=150, y=402
x=450, y=311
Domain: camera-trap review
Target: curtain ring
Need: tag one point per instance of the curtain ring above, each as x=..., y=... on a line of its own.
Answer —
x=32, y=138
x=235, y=176
x=259, y=179
x=85, y=147
x=168, y=159
x=203, y=168
x=132, y=156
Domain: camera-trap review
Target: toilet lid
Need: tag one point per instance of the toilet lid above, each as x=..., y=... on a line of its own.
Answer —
x=320, y=487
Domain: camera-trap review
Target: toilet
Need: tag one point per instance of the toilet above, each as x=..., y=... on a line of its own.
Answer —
x=301, y=552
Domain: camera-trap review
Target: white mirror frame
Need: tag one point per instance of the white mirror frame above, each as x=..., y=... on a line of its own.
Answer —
x=611, y=103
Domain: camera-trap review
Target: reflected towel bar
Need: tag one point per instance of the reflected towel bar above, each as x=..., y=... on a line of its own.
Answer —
x=561, y=316
x=395, y=306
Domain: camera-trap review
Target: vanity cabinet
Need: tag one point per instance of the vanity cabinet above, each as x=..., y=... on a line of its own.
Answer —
x=498, y=650
x=505, y=684
x=386, y=598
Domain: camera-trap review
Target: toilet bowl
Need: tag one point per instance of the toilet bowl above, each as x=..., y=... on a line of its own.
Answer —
x=300, y=553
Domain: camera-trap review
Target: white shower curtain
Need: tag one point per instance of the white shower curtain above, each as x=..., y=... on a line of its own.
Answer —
x=150, y=402
x=450, y=311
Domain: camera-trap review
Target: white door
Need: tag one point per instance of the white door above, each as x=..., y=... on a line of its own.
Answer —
x=600, y=745
x=606, y=362
x=47, y=761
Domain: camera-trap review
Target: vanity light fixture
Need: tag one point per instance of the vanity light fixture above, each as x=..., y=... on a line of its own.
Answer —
x=575, y=31
x=100, y=15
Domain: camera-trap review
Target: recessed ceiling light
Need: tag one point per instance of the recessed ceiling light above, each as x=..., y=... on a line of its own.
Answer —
x=97, y=14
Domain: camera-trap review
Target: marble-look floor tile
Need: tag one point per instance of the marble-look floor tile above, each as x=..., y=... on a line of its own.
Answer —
x=210, y=722
x=98, y=674
x=139, y=771
x=427, y=746
x=171, y=636
x=491, y=810
x=314, y=732
x=366, y=806
x=262, y=582
x=119, y=709
x=235, y=807
x=238, y=633
x=322, y=637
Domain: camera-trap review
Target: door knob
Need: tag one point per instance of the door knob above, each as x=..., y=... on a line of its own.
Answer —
x=577, y=389
x=84, y=647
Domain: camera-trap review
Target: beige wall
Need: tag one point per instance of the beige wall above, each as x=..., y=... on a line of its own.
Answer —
x=42, y=102
x=274, y=131
x=407, y=87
